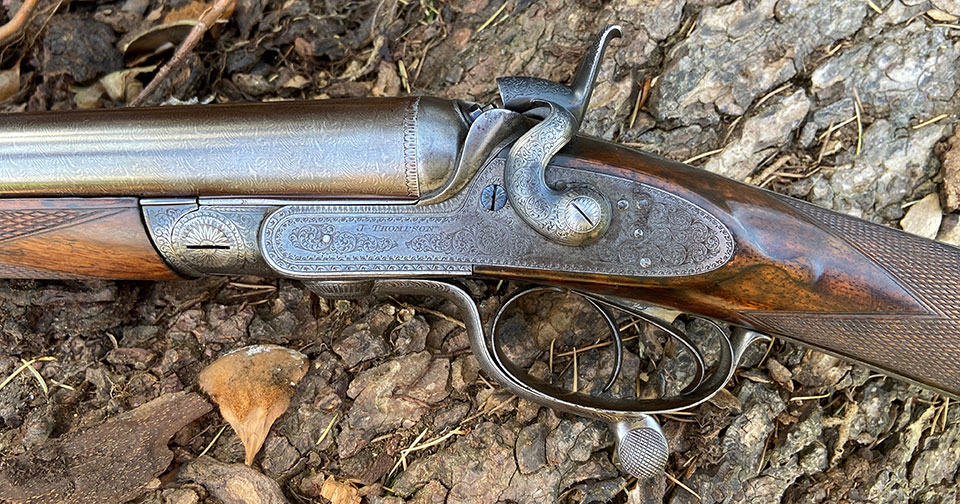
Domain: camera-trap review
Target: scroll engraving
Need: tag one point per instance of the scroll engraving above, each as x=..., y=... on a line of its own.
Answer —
x=325, y=237
x=652, y=233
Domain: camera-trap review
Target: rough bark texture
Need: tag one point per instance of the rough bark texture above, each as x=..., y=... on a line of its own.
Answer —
x=767, y=87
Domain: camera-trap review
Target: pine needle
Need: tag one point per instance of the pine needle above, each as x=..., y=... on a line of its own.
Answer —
x=681, y=485
x=326, y=431
x=858, y=107
x=22, y=368
x=36, y=374
x=928, y=122
x=701, y=156
x=492, y=18
x=213, y=441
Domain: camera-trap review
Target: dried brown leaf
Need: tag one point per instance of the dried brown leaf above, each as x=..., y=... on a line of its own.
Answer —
x=192, y=10
x=339, y=493
x=253, y=386
x=122, y=85
x=9, y=82
x=88, y=97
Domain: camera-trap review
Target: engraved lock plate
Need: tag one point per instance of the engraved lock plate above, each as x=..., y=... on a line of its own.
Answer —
x=652, y=233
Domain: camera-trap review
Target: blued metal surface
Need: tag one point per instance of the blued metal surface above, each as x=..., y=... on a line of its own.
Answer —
x=677, y=238
x=331, y=148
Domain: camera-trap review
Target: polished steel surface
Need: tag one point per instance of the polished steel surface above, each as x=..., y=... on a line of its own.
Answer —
x=491, y=131
x=332, y=148
x=641, y=446
x=655, y=234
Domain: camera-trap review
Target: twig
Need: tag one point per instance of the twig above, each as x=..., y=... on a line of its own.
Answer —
x=681, y=485
x=17, y=22
x=207, y=19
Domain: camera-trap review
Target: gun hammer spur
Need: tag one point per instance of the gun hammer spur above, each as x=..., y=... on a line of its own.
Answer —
x=577, y=214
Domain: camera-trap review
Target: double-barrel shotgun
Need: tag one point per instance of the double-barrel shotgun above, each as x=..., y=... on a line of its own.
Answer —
x=404, y=195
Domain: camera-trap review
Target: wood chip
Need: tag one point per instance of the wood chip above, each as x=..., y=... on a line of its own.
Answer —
x=339, y=493
x=9, y=82
x=923, y=218
x=232, y=483
x=941, y=16
x=111, y=462
x=951, y=173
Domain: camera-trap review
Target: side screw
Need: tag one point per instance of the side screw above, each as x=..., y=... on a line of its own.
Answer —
x=493, y=197
x=582, y=214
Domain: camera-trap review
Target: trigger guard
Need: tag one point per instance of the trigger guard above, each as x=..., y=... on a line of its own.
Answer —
x=495, y=362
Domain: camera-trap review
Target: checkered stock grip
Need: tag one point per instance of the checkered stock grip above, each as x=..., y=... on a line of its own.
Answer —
x=67, y=238
x=923, y=347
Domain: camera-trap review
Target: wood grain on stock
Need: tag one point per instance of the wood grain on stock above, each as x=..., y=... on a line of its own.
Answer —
x=76, y=238
x=879, y=296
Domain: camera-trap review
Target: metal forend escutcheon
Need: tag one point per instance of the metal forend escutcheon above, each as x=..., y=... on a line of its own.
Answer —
x=577, y=213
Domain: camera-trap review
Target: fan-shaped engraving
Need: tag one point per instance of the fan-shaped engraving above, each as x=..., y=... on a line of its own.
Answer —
x=207, y=241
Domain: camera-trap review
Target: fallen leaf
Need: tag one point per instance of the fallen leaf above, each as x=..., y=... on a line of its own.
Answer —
x=9, y=82
x=123, y=85
x=156, y=40
x=923, y=217
x=88, y=97
x=388, y=81
x=253, y=386
x=191, y=11
x=296, y=82
x=339, y=493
